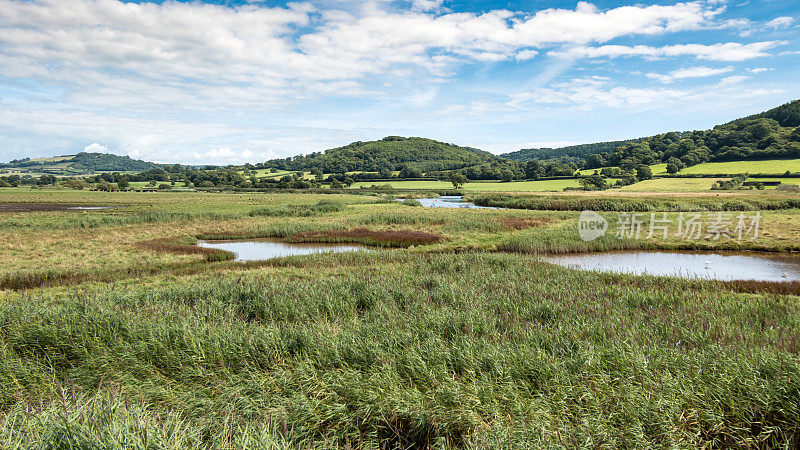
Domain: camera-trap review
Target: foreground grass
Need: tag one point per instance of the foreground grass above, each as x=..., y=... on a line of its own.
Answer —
x=395, y=349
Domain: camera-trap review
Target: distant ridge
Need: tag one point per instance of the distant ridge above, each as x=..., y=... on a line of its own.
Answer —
x=81, y=164
x=580, y=151
x=771, y=134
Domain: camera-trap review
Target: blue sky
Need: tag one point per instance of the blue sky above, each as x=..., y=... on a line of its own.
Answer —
x=242, y=81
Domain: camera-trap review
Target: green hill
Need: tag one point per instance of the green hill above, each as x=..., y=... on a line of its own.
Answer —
x=80, y=164
x=768, y=135
x=388, y=154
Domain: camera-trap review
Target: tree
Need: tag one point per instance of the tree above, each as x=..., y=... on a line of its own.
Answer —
x=408, y=172
x=533, y=170
x=594, y=182
x=336, y=184
x=643, y=172
x=672, y=168
x=46, y=179
x=104, y=186
x=74, y=183
x=123, y=183
x=458, y=179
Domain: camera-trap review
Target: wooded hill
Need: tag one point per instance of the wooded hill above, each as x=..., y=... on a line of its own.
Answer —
x=80, y=164
x=388, y=154
x=771, y=134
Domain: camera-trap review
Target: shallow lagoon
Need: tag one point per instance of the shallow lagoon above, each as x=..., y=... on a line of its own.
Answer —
x=760, y=266
x=262, y=249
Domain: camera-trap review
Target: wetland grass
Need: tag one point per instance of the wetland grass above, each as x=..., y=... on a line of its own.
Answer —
x=469, y=350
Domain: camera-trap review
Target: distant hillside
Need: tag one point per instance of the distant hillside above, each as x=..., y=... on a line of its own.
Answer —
x=771, y=134
x=387, y=154
x=571, y=152
x=80, y=164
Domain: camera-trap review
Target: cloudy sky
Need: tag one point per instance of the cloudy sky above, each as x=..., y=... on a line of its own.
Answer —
x=246, y=81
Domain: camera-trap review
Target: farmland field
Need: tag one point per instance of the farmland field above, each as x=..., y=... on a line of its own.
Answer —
x=773, y=166
x=114, y=332
x=672, y=185
x=770, y=166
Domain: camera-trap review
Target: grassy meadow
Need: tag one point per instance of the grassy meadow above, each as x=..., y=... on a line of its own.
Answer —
x=452, y=333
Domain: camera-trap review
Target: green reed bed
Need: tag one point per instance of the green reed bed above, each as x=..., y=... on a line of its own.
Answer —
x=623, y=204
x=469, y=350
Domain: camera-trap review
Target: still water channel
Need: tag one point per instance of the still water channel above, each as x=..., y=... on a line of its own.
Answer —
x=261, y=249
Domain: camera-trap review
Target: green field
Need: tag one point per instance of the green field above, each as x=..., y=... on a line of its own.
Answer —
x=672, y=185
x=776, y=166
x=795, y=181
x=772, y=166
x=513, y=186
x=116, y=333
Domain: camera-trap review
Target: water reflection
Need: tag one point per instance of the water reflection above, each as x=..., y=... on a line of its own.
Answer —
x=261, y=249
x=449, y=201
x=716, y=266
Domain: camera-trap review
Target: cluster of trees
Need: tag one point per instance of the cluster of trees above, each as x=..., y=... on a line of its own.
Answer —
x=737, y=182
x=572, y=153
x=27, y=180
x=511, y=170
x=598, y=181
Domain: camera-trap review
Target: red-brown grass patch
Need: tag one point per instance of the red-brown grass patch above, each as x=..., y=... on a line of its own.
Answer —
x=522, y=223
x=763, y=287
x=168, y=245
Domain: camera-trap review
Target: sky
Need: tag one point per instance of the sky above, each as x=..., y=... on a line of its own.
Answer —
x=229, y=82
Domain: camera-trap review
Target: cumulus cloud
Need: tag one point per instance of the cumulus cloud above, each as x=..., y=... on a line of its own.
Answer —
x=95, y=148
x=689, y=72
x=272, y=48
x=780, y=22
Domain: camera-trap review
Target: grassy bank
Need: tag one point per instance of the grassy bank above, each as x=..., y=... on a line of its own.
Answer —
x=630, y=204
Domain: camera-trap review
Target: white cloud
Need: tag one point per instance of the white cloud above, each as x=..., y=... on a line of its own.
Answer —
x=592, y=92
x=689, y=72
x=525, y=55
x=735, y=79
x=173, y=44
x=95, y=148
x=780, y=22
x=759, y=70
x=427, y=5
x=729, y=51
